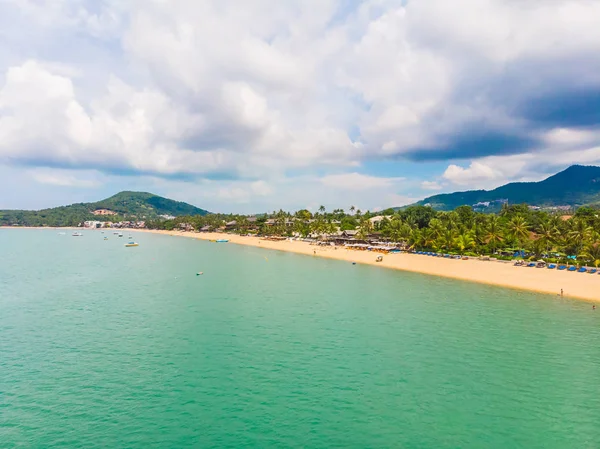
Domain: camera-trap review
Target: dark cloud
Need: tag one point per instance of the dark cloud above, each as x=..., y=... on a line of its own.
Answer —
x=564, y=108
x=474, y=143
x=121, y=170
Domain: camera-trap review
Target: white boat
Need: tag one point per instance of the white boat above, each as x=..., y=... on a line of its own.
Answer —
x=120, y=235
x=131, y=244
x=77, y=234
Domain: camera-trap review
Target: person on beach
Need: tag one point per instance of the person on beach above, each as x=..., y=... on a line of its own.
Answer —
x=561, y=292
x=593, y=306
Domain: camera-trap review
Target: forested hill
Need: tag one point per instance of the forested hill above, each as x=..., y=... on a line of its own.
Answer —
x=576, y=186
x=124, y=205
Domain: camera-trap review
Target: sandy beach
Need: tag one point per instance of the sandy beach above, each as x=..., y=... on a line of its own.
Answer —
x=575, y=285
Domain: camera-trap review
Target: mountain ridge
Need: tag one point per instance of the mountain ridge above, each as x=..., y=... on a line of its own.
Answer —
x=123, y=205
x=576, y=186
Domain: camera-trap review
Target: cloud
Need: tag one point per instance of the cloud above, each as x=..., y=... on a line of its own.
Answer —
x=66, y=178
x=255, y=91
x=430, y=185
x=475, y=173
x=358, y=181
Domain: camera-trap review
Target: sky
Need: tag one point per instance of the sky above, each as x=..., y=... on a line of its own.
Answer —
x=259, y=105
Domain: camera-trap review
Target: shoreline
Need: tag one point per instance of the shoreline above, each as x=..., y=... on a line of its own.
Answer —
x=581, y=286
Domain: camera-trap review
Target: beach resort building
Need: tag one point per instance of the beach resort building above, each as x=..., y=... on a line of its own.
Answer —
x=104, y=212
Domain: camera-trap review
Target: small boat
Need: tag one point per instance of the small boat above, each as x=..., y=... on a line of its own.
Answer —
x=77, y=234
x=120, y=235
x=105, y=238
x=199, y=273
x=62, y=233
x=131, y=244
x=221, y=241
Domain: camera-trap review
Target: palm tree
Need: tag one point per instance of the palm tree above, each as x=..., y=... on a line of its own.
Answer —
x=494, y=235
x=365, y=228
x=546, y=235
x=591, y=253
x=518, y=229
x=579, y=233
x=322, y=209
x=465, y=241
x=352, y=209
x=446, y=240
x=427, y=237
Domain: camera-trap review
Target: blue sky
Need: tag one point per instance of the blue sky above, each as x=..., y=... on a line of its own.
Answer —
x=261, y=105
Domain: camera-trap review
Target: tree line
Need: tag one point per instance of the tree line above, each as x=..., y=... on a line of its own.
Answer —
x=516, y=229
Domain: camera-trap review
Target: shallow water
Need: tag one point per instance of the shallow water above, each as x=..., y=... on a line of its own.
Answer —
x=106, y=346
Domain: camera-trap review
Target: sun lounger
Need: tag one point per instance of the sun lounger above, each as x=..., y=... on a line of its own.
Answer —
x=562, y=267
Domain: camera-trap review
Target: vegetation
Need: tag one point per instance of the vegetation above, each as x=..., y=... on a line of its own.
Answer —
x=126, y=205
x=576, y=186
x=515, y=230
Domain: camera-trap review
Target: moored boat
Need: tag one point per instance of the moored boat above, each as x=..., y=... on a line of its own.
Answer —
x=131, y=244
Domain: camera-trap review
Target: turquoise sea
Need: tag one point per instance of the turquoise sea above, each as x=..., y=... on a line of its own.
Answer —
x=103, y=346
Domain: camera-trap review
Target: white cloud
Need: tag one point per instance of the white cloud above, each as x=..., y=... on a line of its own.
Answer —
x=357, y=181
x=475, y=173
x=254, y=90
x=430, y=185
x=67, y=178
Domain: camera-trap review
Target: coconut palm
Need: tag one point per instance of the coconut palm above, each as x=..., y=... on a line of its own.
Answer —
x=365, y=228
x=494, y=233
x=579, y=233
x=591, y=253
x=518, y=229
x=546, y=235
x=446, y=240
x=465, y=241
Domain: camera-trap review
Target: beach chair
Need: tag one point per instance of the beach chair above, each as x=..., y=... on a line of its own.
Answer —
x=582, y=270
x=562, y=267
x=551, y=266
x=572, y=268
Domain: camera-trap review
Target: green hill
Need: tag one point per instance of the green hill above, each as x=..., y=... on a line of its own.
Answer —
x=125, y=205
x=576, y=186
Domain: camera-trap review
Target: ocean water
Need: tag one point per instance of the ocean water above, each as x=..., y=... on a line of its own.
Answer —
x=103, y=346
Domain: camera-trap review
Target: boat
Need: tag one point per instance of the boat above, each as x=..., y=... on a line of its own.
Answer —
x=105, y=238
x=120, y=234
x=221, y=241
x=77, y=234
x=131, y=244
x=62, y=233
